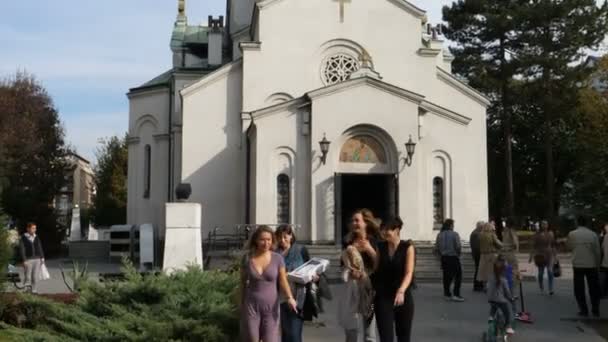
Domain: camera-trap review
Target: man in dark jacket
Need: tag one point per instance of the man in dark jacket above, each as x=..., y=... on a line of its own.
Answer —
x=474, y=243
x=449, y=247
x=32, y=255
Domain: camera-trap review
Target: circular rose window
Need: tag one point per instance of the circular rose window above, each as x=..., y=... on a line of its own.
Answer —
x=338, y=68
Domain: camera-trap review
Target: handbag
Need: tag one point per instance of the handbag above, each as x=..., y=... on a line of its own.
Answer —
x=44, y=273
x=557, y=269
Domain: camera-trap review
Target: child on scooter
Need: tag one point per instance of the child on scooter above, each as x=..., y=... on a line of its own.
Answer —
x=499, y=295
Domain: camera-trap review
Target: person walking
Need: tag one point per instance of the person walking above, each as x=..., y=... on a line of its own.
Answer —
x=449, y=248
x=500, y=295
x=32, y=256
x=510, y=248
x=604, y=268
x=474, y=243
x=363, y=228
x=489, y=245
x=393, y=282
x=262, y=275
x=295, y=256
x=543, y=254
x=585, y=247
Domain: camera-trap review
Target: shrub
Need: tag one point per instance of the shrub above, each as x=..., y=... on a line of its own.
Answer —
x=187, y=306
x=6, y=252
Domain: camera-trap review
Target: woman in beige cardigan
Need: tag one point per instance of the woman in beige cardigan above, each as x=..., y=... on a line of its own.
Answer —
x=489, y=245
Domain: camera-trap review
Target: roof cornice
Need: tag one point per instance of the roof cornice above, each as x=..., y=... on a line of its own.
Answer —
x=250, y=46
x=149, y=90
x=415, y=98
x=212, y=77
x=403, y=4
x=291, y=104
x=444, y=113
x=338, y=87
x=463, y=87
x=411, y=8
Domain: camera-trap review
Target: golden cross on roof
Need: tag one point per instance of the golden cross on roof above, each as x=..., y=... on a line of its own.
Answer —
x=342, y=2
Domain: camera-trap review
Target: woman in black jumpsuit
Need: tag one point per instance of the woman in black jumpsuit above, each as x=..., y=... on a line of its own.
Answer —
x=394, y=303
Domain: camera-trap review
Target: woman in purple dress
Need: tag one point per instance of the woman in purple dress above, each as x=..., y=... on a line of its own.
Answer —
x=262, y=273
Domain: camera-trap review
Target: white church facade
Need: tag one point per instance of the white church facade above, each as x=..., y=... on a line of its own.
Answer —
x=300, y=112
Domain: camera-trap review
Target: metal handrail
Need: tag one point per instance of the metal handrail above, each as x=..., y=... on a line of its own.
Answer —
x=240, y=235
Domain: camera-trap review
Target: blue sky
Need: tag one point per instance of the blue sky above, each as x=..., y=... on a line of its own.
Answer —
x=89, y=53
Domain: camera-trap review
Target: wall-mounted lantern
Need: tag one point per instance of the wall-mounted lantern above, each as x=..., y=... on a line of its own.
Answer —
x=324, y=144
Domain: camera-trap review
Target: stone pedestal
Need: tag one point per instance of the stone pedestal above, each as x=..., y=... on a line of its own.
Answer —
x=183, y=241
x=75, y=231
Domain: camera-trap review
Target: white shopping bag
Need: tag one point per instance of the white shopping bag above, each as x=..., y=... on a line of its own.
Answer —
x=44, y=273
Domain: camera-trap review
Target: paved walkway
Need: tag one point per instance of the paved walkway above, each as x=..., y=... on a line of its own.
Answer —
x=438, y=320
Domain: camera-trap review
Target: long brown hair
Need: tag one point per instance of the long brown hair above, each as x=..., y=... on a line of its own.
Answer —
x=252, y=244
x=372, y=228
x=499, y=269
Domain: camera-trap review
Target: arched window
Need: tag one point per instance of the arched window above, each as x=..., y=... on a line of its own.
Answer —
x=438, y=202
x=147, y=170
x=283, y=198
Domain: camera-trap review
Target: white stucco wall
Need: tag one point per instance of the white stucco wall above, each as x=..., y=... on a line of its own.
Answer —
x=290, y=59
x=148, y=125
x=213, y=146
x=281, y=147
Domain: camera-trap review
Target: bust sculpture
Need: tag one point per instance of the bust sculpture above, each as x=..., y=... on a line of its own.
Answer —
x=183, y=192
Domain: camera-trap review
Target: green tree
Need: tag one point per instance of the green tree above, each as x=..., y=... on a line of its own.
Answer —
x=589, y=182
x=485, y=33
x=32, y=156
x=555, y=37
x=110, y=201
x=525, y=56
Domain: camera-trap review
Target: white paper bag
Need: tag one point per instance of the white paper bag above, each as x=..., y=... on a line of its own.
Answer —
x=44, y=273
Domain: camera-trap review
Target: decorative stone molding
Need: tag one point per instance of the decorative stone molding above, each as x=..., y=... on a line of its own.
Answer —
x=428, y=52
x=462, y=87
x=250, y=46
x=444, y=112
x=133, y=140
x=160, y=137
x=212, y=77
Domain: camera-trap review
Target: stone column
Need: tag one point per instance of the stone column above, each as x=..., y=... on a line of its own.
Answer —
x=183, y=241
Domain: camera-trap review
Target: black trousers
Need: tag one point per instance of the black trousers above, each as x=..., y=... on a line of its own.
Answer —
x=593, y=283
x=477, y=285
x=604, y=282
x=452, y=272
x=392, y=320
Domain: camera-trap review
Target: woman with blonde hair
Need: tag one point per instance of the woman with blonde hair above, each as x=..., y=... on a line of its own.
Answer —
x=262, y=274
x=489, y=245
x=363, y=236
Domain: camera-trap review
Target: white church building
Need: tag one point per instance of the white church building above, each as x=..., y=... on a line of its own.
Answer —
x=301, y=111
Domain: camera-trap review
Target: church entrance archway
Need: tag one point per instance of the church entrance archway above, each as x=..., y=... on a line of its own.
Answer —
x=376, y=192
x=366, y=176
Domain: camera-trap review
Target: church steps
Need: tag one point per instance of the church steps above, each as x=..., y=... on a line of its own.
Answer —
x=428, y=266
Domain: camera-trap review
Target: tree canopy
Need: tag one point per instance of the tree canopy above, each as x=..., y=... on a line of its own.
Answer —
x=110, y=201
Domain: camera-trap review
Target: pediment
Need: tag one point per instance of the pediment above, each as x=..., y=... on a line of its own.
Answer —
x=367, y=82
x=423, y=104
